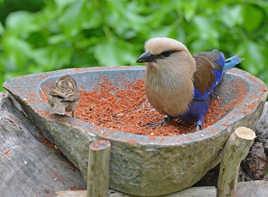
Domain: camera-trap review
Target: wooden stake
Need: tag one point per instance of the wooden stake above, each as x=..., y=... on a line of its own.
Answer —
x=98, y=168
x=235, y=150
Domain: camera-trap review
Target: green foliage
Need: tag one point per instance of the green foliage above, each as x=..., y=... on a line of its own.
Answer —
x=7, y=6
x=83, y=33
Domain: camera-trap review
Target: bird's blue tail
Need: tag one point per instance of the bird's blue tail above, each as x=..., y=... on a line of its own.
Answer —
x=231, y=62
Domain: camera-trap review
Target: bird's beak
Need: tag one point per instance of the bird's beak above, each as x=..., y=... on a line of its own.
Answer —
x=145, y=57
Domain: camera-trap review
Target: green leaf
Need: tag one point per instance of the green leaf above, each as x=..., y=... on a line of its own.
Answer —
x=205, y=28
x=53, y=56
x=232, y=15
x=63, y=3
x=190, y=9
x=114, y=52
x=17, y=52
x=20, y=23
x=72, y=18
x=254, y=57
x=56, y=39
x=252, y=17
x=84, y=58
x=160, y=32
x=264, y=76
x=1, y=29
x=106, y=53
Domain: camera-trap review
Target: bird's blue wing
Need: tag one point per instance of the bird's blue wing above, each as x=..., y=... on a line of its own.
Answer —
x=219, y=66
x=209, y=71
x=210, y=67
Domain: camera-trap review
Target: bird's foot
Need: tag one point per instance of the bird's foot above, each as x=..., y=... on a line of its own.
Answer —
x=198, y=128
x=199, y=124
x=161, y=122
x=156, y=124
x=214, y=95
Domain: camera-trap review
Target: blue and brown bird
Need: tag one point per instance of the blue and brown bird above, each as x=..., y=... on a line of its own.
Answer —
x=178, y=84
x=64, y=96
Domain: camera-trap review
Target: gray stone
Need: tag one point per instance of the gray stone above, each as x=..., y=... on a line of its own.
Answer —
x=252, y=189
x=262, y=124
x=28, y=168
x=262, y=129
x=254, y=166
x=146, y=166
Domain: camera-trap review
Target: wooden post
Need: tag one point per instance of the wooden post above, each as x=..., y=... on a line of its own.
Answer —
x=235, y=150
x=98, y=168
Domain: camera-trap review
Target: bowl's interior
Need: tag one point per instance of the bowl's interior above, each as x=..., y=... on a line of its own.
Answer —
x=130, y=111
x=91, y=79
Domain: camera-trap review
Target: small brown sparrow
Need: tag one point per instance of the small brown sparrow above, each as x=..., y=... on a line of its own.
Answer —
x=64, y=96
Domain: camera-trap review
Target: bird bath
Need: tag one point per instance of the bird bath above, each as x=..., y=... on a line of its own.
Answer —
x=141, y=165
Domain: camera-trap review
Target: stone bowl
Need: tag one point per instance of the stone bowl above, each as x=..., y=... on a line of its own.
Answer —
x=141, y=165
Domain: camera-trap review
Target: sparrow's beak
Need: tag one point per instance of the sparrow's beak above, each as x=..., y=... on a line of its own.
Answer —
x=145, y=57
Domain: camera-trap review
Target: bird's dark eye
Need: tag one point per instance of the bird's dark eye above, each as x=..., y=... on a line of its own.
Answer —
x=166, y=53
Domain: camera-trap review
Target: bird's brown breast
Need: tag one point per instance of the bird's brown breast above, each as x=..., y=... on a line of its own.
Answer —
x=168, y=92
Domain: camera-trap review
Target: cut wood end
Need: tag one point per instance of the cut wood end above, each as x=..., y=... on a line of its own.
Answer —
x=100, y=145
x=70, y=193
x=245, y=133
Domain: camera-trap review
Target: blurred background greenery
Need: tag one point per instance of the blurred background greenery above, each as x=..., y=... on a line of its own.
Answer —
x=45, y=35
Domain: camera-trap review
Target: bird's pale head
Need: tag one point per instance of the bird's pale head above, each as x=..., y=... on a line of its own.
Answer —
x=162, y=51
x=160, y=48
